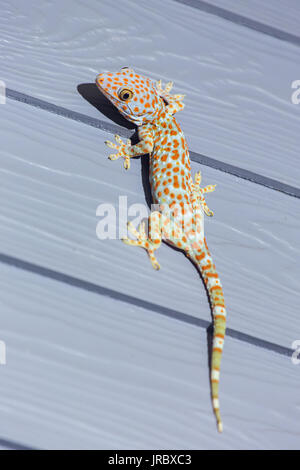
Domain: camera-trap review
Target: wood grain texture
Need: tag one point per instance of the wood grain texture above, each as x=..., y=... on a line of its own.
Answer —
x=86, y=371
x=83, y=373
x=56, y=174
x=237, y=82
x=277, y=13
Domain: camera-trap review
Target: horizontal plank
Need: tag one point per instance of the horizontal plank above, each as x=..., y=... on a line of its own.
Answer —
x=81, y=374
x=237, y=82
x=54, y=176
x=129, y=133
x=276, y=14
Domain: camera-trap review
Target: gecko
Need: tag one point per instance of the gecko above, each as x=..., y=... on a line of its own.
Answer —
x=179, y=200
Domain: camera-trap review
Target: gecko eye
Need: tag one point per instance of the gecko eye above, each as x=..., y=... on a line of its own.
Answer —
x=125, y=94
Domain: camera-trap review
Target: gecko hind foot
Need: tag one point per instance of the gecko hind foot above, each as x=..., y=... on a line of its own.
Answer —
x=201, y=191
x=144, y=242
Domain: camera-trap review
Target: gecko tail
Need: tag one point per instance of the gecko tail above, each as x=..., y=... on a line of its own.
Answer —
x=211, y=279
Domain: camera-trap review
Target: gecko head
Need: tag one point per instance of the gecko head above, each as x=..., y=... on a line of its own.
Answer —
x=135, y=96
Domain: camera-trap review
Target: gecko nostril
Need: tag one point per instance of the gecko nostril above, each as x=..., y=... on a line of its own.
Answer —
x=100, y=78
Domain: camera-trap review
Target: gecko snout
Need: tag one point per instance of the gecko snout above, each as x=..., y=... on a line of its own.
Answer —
x=100, y=79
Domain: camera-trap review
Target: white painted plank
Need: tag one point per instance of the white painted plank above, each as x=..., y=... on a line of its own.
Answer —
x=89, y=373
x=54, y=175
x=280, y=14
x=237, y=81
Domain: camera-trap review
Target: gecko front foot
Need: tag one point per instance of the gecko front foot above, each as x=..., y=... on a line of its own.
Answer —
x=144, y=242
x=202, y=191
x=163, y=91
x=174, y=101
x=122, y=150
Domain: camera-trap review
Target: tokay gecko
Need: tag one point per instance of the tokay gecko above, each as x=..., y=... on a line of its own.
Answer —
x=179, y=199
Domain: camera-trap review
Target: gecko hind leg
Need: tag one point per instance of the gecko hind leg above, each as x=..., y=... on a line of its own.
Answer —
x=202, y=191
x=151, y=243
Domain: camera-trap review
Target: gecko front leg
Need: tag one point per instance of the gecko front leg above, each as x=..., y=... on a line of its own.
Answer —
x=174, y=101
x=127, y=151
x=122, y=150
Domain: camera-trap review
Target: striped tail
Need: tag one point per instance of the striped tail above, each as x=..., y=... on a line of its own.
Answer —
x=209, y=274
